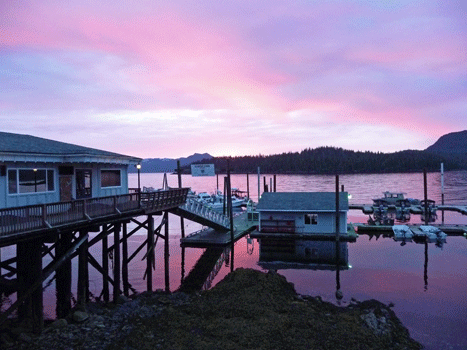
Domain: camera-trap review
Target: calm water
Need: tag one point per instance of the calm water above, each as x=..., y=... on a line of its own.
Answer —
x=428, y=288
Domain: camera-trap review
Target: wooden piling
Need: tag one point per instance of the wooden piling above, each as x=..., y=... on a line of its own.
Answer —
x=125, y=282
x=150, y=253
x=166, y=252
x=425, y=196
x=63, y=276
x=83, y=275
x=105, y=264
x=29, y=266
x=116, y=255
x=179, y=171
x=337, y=209
x=229, y=205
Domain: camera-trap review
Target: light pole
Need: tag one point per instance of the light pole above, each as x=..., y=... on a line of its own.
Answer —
x=35, y=180
x=138, y=166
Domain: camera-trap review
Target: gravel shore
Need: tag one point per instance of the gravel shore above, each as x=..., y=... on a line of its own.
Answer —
x=247, y=310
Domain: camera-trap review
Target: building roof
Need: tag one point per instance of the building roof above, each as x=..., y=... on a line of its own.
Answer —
x=18, y=147
x=302, y=201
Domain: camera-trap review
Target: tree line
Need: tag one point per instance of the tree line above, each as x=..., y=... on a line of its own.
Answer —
x=332, y=160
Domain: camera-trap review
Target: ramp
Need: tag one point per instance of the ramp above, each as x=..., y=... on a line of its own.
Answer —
x=202, y=214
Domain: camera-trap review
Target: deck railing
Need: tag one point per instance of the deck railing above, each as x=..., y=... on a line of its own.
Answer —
x=43, y=216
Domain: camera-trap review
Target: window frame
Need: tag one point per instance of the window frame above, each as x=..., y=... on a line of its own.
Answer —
x=312, y=219
x=110, y=171
x=49, y=181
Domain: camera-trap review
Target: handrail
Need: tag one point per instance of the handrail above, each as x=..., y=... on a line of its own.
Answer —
x=200, y=209
x=42, y=216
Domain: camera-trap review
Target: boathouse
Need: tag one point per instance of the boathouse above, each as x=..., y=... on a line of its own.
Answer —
x=35, y=170
x=302, y=212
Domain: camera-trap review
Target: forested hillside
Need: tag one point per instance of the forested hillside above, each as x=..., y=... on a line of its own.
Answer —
x=331, y=160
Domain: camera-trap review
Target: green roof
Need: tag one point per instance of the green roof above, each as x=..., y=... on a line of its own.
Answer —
x=302, y=201
x=31, y=145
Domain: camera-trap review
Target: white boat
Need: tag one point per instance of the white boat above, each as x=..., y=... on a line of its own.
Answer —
x=216, y=200
x=433, y=233
x=402, y=233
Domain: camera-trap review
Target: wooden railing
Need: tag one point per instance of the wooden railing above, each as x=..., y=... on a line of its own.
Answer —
x=34, y=217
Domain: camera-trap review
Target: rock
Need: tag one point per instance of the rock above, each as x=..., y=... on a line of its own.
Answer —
x=80, y=316
x=60, y=323
x=25, y=338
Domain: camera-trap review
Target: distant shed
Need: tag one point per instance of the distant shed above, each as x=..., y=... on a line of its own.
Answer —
x=302, y=212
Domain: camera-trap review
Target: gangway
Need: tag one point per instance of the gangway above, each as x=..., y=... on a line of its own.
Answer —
x=198, y=212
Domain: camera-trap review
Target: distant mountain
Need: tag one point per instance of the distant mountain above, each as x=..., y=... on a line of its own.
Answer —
x=452, y=143
x=167, y=165
x=453, y=147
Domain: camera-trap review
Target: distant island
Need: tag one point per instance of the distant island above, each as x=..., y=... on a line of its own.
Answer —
x=450, y=149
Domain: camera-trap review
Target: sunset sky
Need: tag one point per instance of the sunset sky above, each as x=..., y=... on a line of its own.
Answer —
x=157, y=79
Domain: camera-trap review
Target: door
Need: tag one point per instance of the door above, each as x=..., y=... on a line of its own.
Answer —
x=66, y=188
x=83, y=183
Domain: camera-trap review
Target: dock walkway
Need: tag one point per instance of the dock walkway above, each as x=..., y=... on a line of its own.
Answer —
x=211, y=237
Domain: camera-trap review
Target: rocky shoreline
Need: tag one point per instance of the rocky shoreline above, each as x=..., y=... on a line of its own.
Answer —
x=247, y=310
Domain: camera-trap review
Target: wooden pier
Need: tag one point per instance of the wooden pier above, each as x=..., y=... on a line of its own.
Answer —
x=61, y=230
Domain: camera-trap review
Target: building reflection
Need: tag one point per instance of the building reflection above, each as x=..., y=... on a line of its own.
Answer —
x=281, y=254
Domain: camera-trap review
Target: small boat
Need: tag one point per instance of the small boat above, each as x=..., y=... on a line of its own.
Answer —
x=432, y=232
x=395, y=199
x=402, y=233
x=216, y=200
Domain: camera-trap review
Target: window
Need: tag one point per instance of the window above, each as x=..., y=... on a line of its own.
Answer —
x=110, y=178
x=30, y=180
x=12, y=182
x=311, y=219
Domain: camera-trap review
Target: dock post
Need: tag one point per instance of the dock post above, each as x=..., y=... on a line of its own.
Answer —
x=29, y=271
x=425, y=196
x=105, y=264
x=337, y=209
x=166, y=252
x=125, y=260
x=83, y=276
x=63, y=276
x=247, y=186
x=442, y=192
x=275, y=183
x=259, y=184
x=150, y=251
x=229, y=206
x=116, y=254
x=179, y=172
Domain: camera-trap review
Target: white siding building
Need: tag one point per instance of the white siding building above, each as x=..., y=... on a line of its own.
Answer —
x=302, y=212
x=34, y=170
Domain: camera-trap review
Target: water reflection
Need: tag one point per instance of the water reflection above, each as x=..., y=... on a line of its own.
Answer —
x=275, y=254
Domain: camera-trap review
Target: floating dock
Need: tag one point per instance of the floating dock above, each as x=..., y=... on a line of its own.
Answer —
x=449, y=229
x=350, y=236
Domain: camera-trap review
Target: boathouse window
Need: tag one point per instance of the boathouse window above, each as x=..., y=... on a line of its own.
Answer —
x=311, y=219
x=111, y=178
x=30, y=180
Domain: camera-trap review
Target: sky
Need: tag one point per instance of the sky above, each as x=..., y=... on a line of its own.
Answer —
x=166, y=79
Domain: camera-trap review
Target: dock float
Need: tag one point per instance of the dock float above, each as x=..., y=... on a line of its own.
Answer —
x=350, y=236
x=450, y=229
x=210, y=237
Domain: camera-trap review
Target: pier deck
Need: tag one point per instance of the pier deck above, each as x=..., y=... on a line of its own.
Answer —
x=210, y=237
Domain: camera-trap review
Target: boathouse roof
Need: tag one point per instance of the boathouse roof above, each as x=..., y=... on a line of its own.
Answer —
x=302, y=201
x=19, y=147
